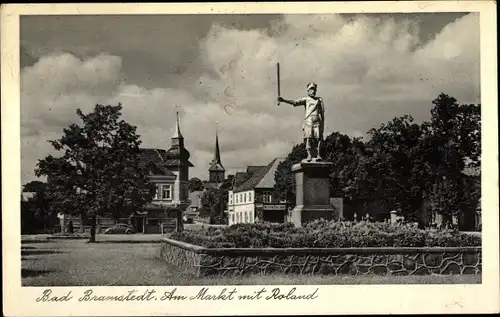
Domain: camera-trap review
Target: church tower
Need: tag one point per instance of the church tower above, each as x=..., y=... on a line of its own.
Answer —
x=177, y=161
x=216, y=170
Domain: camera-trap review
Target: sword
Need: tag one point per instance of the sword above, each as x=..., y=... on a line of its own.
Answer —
x=278, y=79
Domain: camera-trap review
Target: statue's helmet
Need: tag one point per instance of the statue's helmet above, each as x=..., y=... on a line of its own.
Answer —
x=312, y=85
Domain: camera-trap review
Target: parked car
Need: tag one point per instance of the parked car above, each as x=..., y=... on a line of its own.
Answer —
x=119, y=228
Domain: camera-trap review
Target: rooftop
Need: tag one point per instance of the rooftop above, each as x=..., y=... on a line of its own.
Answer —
x=154, y=161
x=261, y=177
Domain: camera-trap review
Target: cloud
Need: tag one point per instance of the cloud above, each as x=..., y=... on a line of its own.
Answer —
x=368, y=70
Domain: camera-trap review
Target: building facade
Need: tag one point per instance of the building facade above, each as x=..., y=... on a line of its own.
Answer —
x=253, y=197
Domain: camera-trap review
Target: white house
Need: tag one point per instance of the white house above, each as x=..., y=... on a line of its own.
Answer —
x=252, y=197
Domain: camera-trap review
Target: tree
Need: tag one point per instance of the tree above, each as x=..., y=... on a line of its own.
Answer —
x=413, y=162
x=454, y=144
x=284, y=179
x=456, y=131
x=345, y=154
x=34, y=187
x=212, y=203
x=195, y=184
x=35, y=214
x=98, y=172
x=397, y=167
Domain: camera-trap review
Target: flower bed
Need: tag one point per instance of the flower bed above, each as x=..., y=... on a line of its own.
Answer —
x=325, y=234
x=323, y=248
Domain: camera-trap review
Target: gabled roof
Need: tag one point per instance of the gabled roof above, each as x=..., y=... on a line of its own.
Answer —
x=268, y=180
x=239, y=178
x=147, y=156
x=261, y=178
x=252, y=169
x=153, y=160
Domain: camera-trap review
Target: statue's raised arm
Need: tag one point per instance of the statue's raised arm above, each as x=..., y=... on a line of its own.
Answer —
x=295, y=103
x=314, y=117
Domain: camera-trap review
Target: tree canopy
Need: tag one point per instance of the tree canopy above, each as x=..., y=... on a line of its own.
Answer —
x=195, y=184
x=98, y=172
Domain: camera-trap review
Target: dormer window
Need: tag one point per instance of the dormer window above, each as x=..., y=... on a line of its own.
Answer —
x=167, y=192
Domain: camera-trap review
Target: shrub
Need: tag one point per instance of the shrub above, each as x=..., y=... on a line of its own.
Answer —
x=325, y=234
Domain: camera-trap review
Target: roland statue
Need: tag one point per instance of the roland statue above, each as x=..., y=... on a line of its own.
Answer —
x=314, y=119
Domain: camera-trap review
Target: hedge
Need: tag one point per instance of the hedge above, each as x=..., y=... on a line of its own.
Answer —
x=325, y=234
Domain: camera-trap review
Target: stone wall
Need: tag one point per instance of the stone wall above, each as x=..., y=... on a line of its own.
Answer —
x=333, y=261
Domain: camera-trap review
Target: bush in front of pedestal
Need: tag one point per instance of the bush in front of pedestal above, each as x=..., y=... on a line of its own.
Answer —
x=326, y=234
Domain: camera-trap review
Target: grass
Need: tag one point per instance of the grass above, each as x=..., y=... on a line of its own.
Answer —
x=78, y=263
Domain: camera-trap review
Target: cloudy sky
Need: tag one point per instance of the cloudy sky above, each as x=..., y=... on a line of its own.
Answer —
x=369, y=68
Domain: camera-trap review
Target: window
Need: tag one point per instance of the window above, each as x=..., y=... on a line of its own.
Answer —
x=250, y=218
x=245, y=197
x=246, y=216
x=167, y=192
x=267, y=197
x=232, y=218
x=250, y=196
x=157, y=192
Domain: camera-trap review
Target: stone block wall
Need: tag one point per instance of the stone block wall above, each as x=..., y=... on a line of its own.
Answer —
x=320, y=261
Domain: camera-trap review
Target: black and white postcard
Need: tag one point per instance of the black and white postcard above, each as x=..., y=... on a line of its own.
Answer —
x=250, y=158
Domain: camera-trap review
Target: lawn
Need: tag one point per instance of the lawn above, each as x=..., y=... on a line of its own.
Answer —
x=78, y=263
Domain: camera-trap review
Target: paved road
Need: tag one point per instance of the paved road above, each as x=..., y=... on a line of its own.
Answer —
x=101, y=237
x=76, y=262
x=125, y=237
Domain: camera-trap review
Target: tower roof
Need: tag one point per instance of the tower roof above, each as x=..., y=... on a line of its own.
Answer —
x=177, y=155
x=177, y=131
x=216, y=164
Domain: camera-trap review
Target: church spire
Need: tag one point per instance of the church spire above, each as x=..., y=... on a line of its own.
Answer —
x=217, y=151
x=177, y=132
x=216, y=170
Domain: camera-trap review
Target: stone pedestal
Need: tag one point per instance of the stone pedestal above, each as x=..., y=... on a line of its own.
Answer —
x=312, y=192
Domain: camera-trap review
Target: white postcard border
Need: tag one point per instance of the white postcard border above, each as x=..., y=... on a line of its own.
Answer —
x=335, y=299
